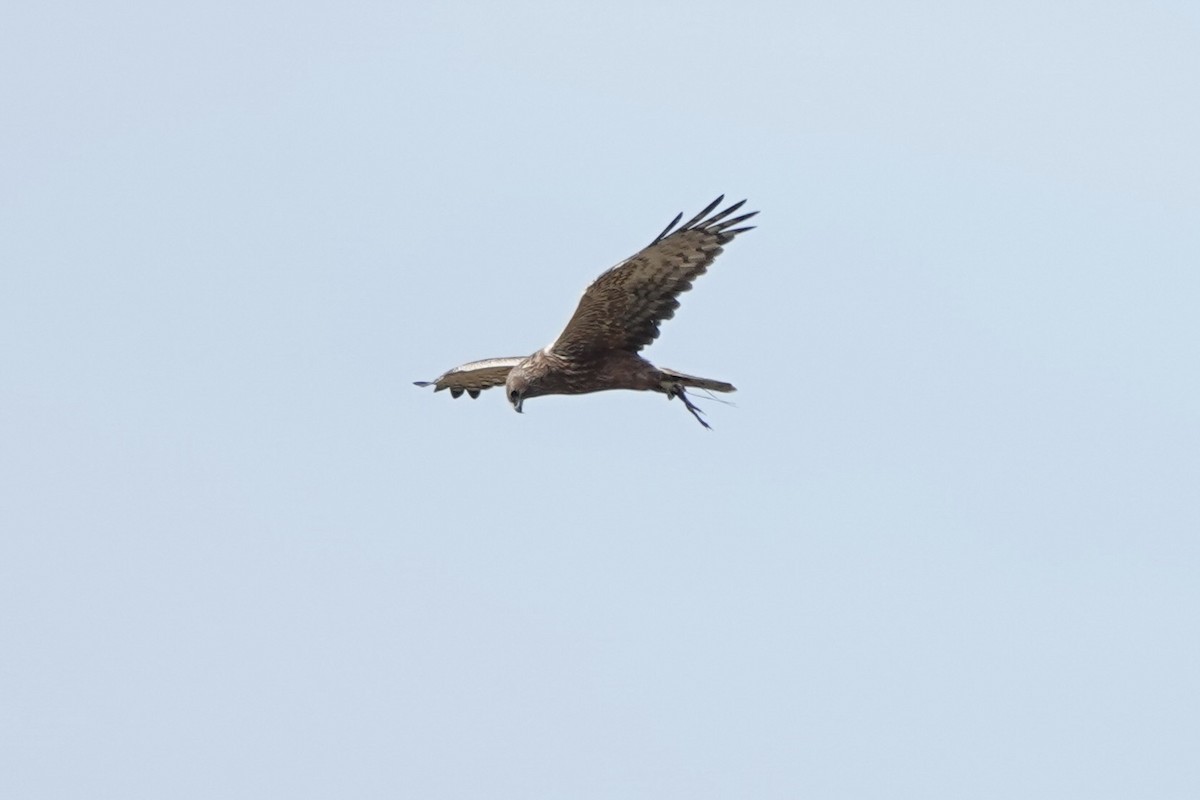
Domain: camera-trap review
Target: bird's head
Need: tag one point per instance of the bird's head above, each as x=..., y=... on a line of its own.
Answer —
x=527, y=379
x=517, y=387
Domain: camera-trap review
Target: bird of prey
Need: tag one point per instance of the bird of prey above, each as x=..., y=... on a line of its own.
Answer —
x=618, y=315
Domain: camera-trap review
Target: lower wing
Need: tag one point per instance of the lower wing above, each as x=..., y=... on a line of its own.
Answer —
x=474, y=377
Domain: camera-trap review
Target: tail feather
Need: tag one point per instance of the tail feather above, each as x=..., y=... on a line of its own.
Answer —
x=692, y=382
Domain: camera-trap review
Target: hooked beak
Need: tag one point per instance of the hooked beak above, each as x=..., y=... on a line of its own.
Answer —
x=517, y=405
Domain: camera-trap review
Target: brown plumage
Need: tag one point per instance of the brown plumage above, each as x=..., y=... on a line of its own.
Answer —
x=617, y=316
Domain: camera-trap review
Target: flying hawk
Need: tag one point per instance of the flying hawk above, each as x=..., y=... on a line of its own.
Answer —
x=618, y=315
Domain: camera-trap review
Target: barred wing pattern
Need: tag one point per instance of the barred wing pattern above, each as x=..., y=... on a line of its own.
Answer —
x=623, y=308
x=474, y=377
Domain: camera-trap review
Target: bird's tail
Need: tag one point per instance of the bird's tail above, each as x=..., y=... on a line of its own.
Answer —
x=692, y=382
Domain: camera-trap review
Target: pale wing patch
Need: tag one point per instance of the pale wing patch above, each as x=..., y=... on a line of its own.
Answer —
x=487, y=363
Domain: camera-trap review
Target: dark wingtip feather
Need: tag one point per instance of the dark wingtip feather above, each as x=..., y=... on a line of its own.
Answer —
x=720, y=215
x=704, y=213
x=668, y=229
x=729, y=223
x=422, y=383
x=702, y=220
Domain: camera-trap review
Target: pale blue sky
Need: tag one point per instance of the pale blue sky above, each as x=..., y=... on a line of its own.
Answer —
x=945, y=544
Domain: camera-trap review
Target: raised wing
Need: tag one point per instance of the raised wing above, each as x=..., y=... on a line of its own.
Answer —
x=623, y=308
x=474, y=377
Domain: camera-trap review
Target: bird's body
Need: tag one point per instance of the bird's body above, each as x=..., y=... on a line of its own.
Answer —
x=546, y=372
x=618, y=315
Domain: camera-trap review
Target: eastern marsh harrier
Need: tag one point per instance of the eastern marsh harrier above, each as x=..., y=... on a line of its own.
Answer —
x=618, y=315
